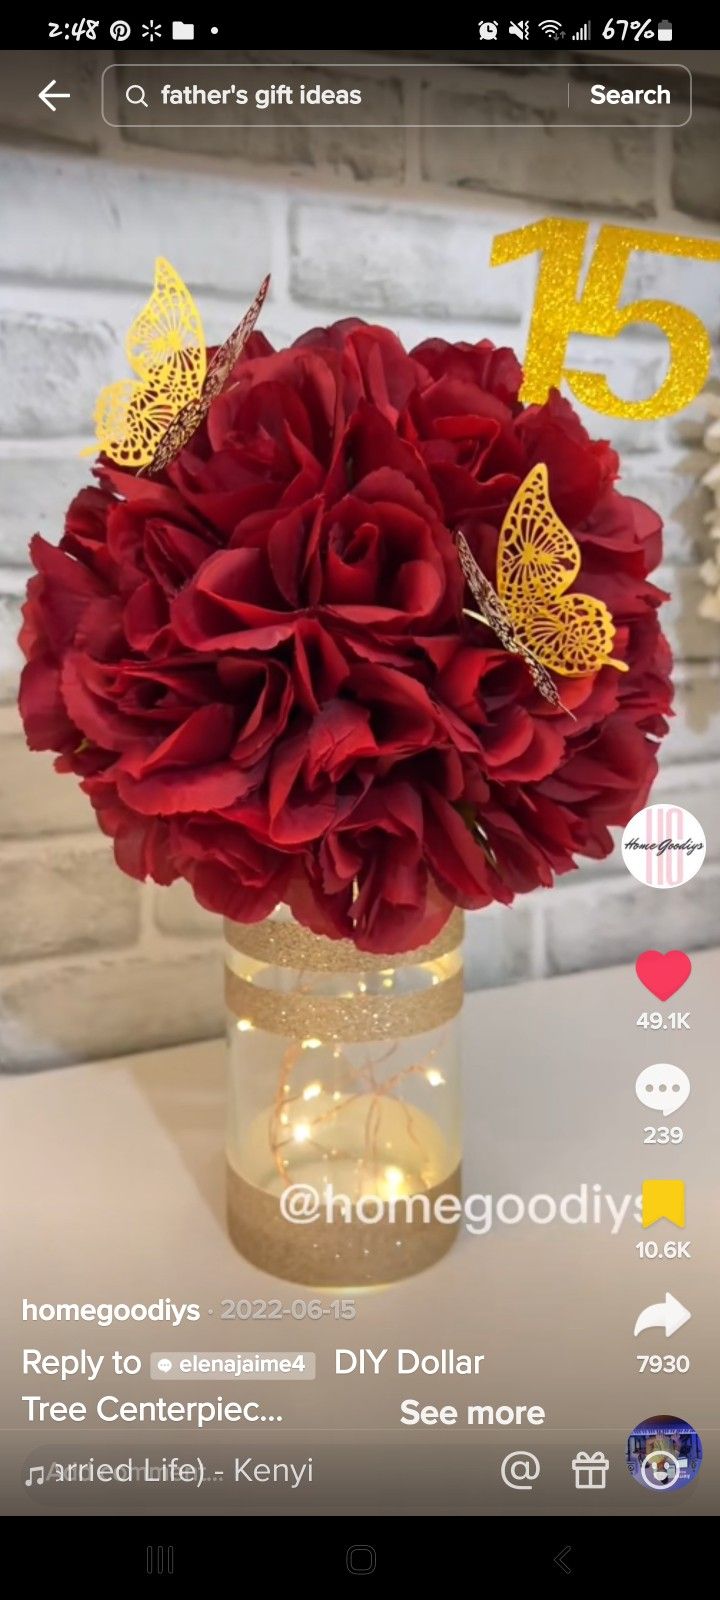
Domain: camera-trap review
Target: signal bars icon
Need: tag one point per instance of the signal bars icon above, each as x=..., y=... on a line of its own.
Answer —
x=583, y=32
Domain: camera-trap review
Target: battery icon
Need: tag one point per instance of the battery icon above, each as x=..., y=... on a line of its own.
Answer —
x=664, y=32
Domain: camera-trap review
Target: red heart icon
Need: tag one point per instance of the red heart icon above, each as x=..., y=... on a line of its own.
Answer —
x=663, y=973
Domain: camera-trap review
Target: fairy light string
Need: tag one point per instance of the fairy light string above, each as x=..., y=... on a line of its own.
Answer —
x=304, y=1111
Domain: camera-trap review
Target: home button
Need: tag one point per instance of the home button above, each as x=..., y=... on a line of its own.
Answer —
x=360, y=1559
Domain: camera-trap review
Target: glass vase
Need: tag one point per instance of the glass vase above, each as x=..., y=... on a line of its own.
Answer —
x=344, y=1103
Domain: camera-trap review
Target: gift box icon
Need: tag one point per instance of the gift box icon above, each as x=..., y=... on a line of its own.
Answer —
x=590, y=1470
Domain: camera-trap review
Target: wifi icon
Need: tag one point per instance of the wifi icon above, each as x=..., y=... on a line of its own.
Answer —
x=554, y=30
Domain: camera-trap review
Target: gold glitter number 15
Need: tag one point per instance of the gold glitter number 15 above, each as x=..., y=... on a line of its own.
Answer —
x=560, y=309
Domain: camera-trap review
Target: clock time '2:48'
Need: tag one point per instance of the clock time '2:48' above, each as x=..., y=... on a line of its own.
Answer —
x=83, y=28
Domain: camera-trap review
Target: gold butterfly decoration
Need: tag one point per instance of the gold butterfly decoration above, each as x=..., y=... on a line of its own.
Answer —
x=143, y=422
x=531, y=612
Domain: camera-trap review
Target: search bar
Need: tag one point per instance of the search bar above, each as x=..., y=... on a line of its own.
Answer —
x=374, y=95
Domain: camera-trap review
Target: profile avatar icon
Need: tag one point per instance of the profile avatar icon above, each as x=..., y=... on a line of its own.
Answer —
x=664, y=1453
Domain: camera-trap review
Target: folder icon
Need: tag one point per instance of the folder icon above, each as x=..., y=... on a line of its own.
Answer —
x=663, y=1199
x=183, y=30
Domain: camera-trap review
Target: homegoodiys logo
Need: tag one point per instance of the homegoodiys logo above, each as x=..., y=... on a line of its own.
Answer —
x=663, y=846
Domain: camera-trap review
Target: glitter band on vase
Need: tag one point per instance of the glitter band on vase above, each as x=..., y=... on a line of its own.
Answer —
x=284, y=943
x=345, y=1019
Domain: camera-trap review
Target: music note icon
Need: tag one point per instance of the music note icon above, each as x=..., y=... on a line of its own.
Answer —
x=35, y=1472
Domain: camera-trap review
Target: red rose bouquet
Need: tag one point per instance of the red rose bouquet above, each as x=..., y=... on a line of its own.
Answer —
x=258, y=662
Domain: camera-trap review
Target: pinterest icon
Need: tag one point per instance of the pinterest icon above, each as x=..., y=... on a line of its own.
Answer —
x=663, y=846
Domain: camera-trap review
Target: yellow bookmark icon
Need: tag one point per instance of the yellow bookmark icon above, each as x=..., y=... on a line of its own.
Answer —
x=663, y=1199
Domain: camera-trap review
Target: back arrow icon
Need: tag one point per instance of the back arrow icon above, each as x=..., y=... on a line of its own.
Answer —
x=559, y=1559
x=47, y=97
x=669, y=1314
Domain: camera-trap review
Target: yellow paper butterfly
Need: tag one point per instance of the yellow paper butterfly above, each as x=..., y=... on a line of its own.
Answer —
x=165, y=348
x=144, y=421
x=532, y=613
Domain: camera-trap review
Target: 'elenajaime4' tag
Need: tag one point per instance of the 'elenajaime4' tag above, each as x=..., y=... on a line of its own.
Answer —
x=562, y=308
x=663, y=846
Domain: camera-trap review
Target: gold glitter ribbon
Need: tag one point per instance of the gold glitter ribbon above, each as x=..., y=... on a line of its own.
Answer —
x=287, y=944
x=344, y=1019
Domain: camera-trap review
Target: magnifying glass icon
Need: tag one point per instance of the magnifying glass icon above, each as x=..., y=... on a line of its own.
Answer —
x=135, y=95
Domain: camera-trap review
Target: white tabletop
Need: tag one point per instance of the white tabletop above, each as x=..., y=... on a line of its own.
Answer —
x=113, y=1180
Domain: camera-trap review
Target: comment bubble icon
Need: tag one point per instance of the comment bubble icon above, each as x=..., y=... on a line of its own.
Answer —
x=662, y=1087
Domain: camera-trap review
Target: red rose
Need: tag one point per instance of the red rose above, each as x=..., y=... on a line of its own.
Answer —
x=259, y=667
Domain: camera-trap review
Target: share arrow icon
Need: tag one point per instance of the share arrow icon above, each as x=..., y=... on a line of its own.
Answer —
x=668, y=1314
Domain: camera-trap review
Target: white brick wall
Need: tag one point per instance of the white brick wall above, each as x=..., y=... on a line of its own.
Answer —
x=391, y=224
